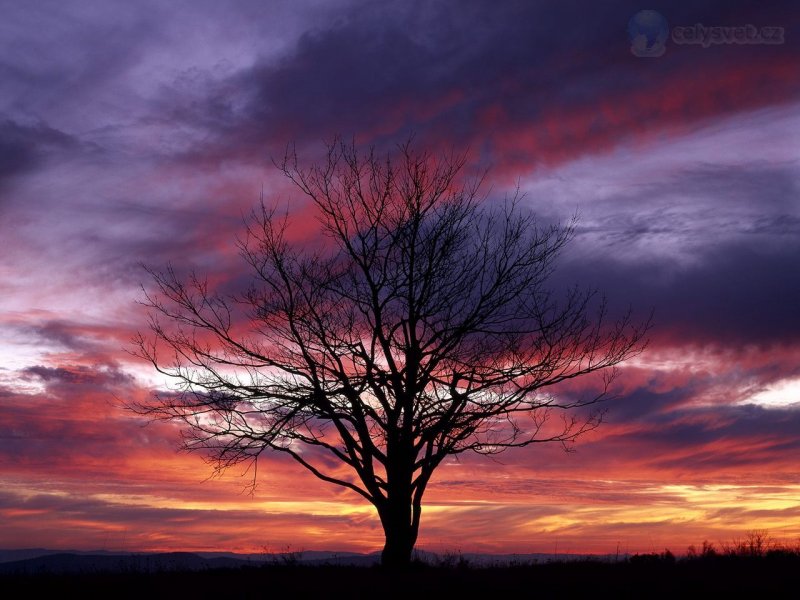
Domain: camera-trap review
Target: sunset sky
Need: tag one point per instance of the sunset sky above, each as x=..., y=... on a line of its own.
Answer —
x=141, y=132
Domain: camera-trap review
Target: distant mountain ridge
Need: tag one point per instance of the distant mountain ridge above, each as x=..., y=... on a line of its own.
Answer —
x=42, y=561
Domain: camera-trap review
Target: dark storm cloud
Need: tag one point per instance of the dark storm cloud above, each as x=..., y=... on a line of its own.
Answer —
x=741, y=294
x=25, y=148
x=649, y=405
x=81, y=375
x=380, y=67
x=64, y=334
x=447, y=70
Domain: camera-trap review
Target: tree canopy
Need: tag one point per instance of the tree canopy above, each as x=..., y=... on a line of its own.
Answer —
x=423, y=325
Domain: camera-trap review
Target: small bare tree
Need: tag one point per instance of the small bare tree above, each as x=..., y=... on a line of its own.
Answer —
x=420, y=328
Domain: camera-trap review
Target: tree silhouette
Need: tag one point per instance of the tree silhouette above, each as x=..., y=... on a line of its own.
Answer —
x=420, y=327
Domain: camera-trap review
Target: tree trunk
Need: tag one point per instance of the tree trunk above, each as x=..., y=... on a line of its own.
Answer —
x=400, y=532
x=396, y=513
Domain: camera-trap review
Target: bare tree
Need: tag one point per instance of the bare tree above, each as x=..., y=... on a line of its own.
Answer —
x=420, y=328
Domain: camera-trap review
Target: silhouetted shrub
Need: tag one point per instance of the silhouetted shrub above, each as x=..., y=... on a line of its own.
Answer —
x=653, y=558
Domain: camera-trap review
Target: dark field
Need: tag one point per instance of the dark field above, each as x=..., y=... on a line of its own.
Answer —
x=649, y=576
